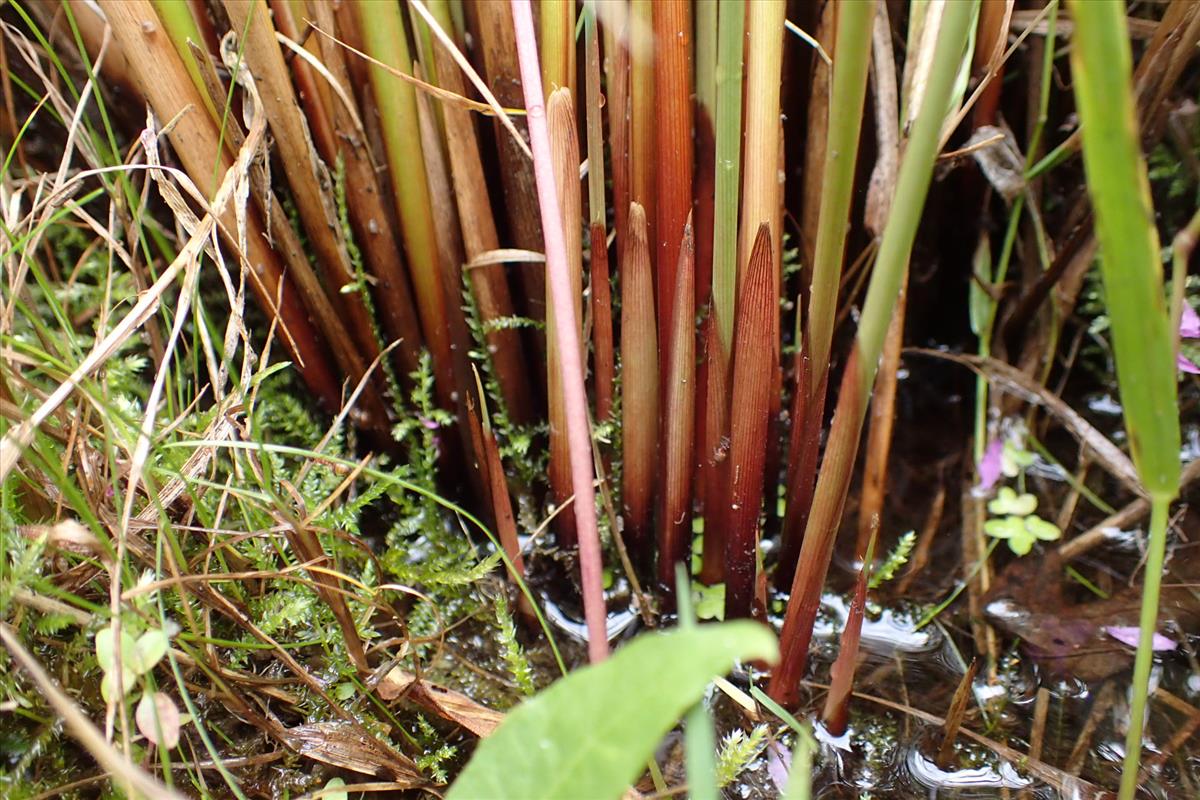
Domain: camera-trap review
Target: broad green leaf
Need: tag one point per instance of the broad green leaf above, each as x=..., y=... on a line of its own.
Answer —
x=1014, y=459
x=108, y=684
x=1143, y=342
x=151, y=647
x=589, y=735
x=106, y=654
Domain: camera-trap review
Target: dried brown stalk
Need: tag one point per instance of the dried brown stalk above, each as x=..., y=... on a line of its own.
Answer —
x=954, y=716
x=841, y=675
x=306, y=175
x=490, y=283
x=165, y=83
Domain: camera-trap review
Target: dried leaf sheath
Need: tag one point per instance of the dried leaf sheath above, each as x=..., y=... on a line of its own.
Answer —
x=302, y=167
x=489, y=284
x=679, y=418
x=639, y=382
x=753, y=373
x=166, y=85
x=841, y=679
x=560, y=117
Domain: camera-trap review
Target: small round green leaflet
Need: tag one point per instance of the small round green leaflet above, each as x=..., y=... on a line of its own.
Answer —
x=589, y=735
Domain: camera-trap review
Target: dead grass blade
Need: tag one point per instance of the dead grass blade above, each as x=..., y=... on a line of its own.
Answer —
x=17, y=439
x=446, y=703
x=1010, y=379
x=348, y=745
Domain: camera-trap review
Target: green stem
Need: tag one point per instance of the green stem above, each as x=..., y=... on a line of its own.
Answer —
x=730, y=27
x=845, y=124
x=1155, y=553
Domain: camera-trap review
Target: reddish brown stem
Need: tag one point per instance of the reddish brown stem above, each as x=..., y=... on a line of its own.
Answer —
x=503, y=75
x=841, y=676
x=819, y=535
x=369, y=217
x=616, y=68
x=679, y=418
x=643, y=114
x=752, y=377
x=879, y=439
x=673, y=139
x=489, y=284
x=639, y=382
x=564, y=143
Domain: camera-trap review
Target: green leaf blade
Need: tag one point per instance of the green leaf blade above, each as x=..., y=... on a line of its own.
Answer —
x=590, y=734
x=1101, y=64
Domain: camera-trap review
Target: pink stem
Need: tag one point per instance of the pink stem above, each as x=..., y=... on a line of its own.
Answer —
x=579, y=438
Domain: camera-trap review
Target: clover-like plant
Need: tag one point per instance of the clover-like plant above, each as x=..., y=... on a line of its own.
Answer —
x=157, y=716
x=1012, y=510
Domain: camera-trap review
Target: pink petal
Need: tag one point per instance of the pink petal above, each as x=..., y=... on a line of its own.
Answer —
x=1189, y=322
x=1128, y=634
x=991, y=465
x=779, y=764
x=1186, y=365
